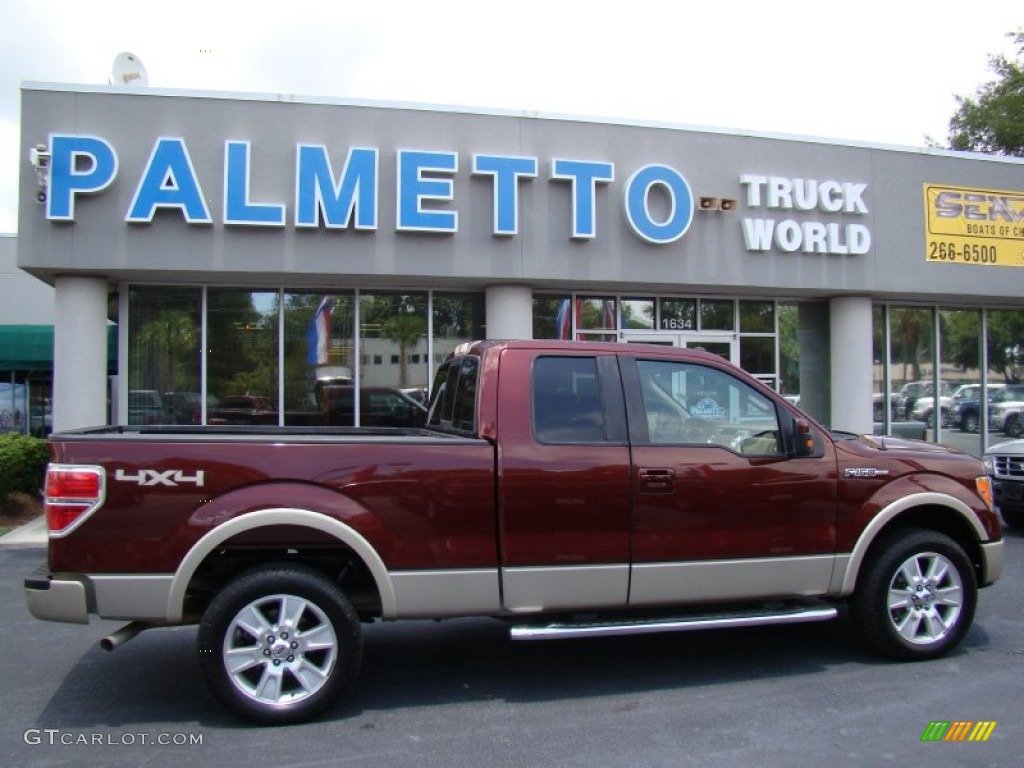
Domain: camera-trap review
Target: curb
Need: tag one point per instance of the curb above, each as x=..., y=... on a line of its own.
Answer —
x=31, y=534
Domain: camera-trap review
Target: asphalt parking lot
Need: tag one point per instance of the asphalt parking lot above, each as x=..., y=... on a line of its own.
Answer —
x=461, y=694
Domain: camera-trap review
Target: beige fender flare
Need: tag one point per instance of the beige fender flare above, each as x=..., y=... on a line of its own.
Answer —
x=279, y=516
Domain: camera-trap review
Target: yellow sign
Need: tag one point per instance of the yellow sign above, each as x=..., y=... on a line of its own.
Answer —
x=964, y=225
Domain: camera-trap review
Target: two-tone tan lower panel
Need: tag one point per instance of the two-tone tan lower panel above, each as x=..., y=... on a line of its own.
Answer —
x=730, y=580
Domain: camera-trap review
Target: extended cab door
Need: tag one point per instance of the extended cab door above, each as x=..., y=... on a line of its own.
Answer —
x=563, y=481
x=720, y=512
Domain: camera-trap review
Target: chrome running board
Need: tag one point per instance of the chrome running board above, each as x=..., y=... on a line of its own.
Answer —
x=748, y=617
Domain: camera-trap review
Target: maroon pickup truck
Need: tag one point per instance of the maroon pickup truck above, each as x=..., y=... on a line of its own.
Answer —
x=574, y=489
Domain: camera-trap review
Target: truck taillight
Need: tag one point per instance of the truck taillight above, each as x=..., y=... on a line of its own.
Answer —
x=72, y=494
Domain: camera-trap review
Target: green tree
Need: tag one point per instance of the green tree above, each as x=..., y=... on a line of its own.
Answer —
x=405, y=330
x=167, y=338
x=993, y=120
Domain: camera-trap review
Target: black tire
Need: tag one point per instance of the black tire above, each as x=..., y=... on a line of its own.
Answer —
x=941, y=594
x=1014, y=426
x=970, y=422
x=307, y=652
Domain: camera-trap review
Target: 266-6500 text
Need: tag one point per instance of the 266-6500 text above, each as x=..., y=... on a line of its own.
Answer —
x=971, y=253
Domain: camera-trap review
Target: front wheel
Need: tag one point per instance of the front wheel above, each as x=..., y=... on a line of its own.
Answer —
x=280, y=644
x=916, y=597
x=1014, y=426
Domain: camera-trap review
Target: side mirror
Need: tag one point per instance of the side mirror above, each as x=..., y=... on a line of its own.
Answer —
x=805, y=441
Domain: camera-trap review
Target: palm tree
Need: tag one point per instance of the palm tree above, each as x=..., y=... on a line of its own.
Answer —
x=405, y=330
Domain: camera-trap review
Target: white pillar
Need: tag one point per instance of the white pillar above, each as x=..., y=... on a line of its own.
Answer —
x=80, y=353
x=509, y=311
x=852, y=358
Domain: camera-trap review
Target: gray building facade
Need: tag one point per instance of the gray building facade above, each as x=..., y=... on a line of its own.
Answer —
x=533, y=222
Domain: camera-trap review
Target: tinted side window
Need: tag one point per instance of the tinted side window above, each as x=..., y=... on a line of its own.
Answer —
x=566, y=400
x=687, y=403
x=453, y=404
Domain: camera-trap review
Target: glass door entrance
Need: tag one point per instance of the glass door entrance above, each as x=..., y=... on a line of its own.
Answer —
x=723, y=345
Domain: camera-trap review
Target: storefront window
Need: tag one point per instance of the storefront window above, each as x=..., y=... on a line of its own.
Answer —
x=757, y=317
x=595, y=312
x=393, y=340
x=319, y=352
x=164, y=344
x=911, y=349
x=1006, y=366
x=717, y=315
x=637, y=314
x=957, y=414
x=241, y=357
x=677, y=314
x=457, y=318
x=757, y=355
x=552, y=317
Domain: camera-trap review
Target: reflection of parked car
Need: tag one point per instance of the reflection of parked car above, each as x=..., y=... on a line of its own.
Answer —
x=242, y=409
x=1005, y=464
x=146, y=406
x=919, y=400
x=965, y=413
x=185, y=406
x=879, y=406
x=1007, y=411
x=378, y=407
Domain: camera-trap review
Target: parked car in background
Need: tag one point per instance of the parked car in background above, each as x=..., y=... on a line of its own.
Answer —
x=147, y=406
x=1005, y=465
x=965, y=413
x=1006, y=412
x=378, y=407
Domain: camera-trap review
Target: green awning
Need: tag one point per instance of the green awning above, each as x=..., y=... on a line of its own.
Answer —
x=30, y=348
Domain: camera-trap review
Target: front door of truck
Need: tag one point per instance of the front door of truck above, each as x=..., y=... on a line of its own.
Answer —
x=563, y=482
x=719, y=511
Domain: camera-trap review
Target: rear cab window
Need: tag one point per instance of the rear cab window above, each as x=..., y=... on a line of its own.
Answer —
x=453, y=402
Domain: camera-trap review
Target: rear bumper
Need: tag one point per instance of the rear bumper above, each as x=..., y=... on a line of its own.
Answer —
x=55, y=599
x=72, y=597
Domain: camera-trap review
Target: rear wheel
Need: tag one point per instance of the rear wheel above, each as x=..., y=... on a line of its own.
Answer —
x=280, y=644
x=970, y=422
x=916, y=596
x=1014, y=426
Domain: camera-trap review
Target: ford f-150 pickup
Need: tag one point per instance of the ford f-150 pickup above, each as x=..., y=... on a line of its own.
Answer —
x=574, y=489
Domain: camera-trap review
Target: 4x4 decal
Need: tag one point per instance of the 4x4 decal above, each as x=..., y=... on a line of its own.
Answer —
x=171, y=477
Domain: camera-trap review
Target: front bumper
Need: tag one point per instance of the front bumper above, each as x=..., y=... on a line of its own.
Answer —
x=1008, y=494
x=54, y=599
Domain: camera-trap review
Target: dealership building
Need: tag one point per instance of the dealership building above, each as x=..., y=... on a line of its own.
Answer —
x=249, y=245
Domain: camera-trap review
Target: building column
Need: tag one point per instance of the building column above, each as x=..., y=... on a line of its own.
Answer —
x=852, y=360
x=80, y=353
x=509, y=312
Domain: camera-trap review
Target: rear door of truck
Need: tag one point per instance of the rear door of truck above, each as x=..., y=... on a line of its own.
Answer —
x=564, y=485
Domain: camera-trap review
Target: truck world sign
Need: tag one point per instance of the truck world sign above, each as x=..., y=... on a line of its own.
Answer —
x=349, y=196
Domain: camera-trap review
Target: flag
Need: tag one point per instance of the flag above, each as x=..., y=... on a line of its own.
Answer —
x=563, y=320
x=319, y=333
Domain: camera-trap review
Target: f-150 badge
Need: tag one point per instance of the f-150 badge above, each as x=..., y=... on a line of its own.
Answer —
x=864, y=472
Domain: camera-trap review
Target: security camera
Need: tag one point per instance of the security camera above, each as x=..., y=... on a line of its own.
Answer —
x=39, y=156
x=41, y=196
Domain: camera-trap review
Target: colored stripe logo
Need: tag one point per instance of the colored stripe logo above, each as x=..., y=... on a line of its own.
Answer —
x=958, y=730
